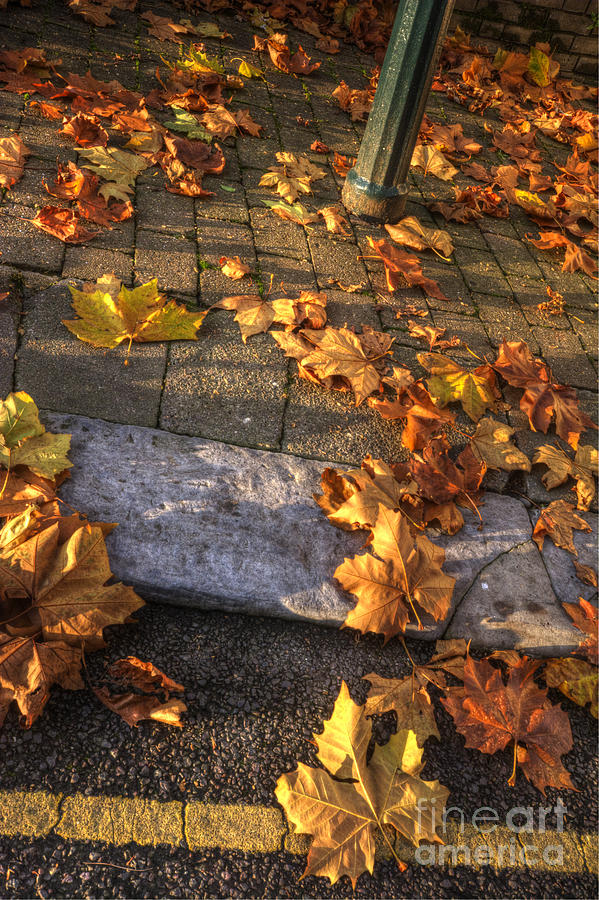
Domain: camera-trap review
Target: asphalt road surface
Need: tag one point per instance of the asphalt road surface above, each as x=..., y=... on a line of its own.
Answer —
x=256, y=690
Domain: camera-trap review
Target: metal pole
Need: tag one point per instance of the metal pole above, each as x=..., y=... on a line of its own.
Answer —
x=375, y=188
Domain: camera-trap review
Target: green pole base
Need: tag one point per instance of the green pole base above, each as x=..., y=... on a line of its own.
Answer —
x=371, y=201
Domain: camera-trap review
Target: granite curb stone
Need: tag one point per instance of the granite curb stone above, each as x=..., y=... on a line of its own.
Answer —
x=213, y=526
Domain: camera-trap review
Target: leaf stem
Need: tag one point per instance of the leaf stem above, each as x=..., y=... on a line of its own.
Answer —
x=512, y=779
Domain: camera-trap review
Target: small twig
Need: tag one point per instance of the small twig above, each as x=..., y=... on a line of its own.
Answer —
x=114, y=866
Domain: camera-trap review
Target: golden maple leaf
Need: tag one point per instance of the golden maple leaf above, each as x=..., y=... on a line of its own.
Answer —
x=475, y=389
x=491, y=443
x=25, y=442
x=405, y=576
x=141, y=314
x=344, y=816
x=560, y=466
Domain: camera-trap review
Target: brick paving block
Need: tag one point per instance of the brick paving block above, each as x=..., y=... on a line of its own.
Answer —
x=567, y=358
x=336, y=259
x=293, y=274
x=528, y=294
x=390, y=304
x=260, y=153
x=214, y=286
x=229, y=205
x=225, y=390
x=503, y=318
x=327, y=425
x=172, y=260
x=274, y=235
x=296, y=138
x=471, y=331
x=30, y=190
x=481, y=272
x=46, y=144
x=587, y=333
x=286, y=110
x=216, y=239
x=351, y=310
x=513, y=256
x=89, y=262
x=494, y=225
x=120, y=237
x=163, y=211
x=340, y=139
x=65, y=374
x=25, y=246
x=10, y=309
x=569, y=284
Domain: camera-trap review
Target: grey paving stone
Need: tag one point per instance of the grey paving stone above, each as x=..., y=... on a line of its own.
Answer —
x=327, y=425
x=172, y=260
x=481, y=272
x=230, y=205
x=471, y=331
x=253, y=540
x=567, y=358
x=569, y=284
x=88, y=263
x=513, y=256
x=25, y=246
x=503, y=319
x=10, y=309
x=529, y=293
x=216, y=239
x=294, y=275
x=223, y=389
x=512, y=605
x=46, y=144
x=63, y=373
x=336, y=259
x=163, y=211
x=274, y=235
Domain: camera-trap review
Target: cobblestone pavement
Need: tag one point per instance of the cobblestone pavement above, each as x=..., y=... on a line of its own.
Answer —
x=220, y=388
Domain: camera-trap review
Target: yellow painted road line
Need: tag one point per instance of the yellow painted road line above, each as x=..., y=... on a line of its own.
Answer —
x=260, y=829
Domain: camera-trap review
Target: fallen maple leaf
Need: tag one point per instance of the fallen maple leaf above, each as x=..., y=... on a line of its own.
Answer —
x=558, y=521
x=297, y=64
x=575, y=678
x=24, y=441
x=476, y=389
x=255, y=315
x=491, y=715
x=560, y=466
x=113, y=164
x=293, y=212
x=13, y=155
x=431, y=335
x=575, y=257
x=141, y=314
x=28, y=669
x=342, y=164
x=411, y=233
x=406, y=576
x=586, y=574
x=423, y=417
x=432, y=161
x=232, y=267
x=333, y=219
x=154, y=703
x=542, y=398
x=85, y=130
x=164, y=29
x=357, y=103
x=403, y=267
x=64, y=224
x=584, y=617
x=338, y=351
x=293, y=177
x=491, y=443
x=443, y=481
x=343, y=816
x=408, y=698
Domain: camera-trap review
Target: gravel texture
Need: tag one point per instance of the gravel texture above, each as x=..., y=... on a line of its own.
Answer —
x=256, y=690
